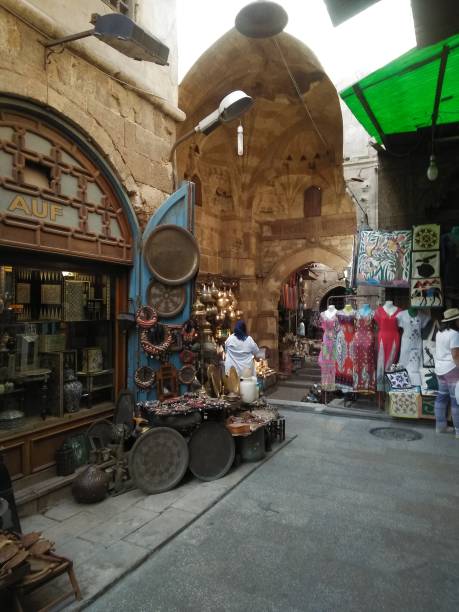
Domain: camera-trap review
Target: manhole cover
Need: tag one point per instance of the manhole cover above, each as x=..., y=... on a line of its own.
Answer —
x=395, y=433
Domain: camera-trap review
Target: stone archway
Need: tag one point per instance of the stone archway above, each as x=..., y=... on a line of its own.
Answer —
x=265, y=323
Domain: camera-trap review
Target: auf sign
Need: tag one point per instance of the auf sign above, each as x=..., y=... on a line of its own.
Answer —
x=36, y=208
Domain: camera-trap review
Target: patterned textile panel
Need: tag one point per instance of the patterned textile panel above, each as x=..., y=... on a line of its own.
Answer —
x=404, y=404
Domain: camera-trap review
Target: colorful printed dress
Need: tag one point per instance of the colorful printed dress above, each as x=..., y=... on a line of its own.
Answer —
x=388, y=343
x=363, y=353
x=411, y=345
x=327, y=356
x=344, y=338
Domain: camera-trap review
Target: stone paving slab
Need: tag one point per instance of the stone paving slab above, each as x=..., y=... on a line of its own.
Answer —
x=109, y=539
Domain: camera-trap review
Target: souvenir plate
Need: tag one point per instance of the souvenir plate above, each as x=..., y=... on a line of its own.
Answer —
x=186, y=374
x=158, y=460
x=232, y=381
x=167, y=300
x=212, y=451
x=172, y=254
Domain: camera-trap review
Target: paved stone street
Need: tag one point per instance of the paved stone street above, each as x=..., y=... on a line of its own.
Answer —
x=338, y=520
x=108, y=539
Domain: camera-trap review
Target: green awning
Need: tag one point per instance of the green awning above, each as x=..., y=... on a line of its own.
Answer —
x=400, y=97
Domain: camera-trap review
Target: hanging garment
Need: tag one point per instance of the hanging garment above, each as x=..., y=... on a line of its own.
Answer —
x=327, y=356
x=363, y=354
x=388, y=344
x=344, y=338
x=411, y=344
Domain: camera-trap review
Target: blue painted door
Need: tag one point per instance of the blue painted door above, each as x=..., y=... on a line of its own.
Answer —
x=178, y=209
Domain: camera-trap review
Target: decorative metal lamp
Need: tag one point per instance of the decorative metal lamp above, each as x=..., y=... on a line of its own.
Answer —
x=261, y=19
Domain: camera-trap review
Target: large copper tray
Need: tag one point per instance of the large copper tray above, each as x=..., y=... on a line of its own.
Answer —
x=172, y=254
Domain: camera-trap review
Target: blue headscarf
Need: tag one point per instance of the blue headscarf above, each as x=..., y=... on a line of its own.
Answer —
x=240, y=330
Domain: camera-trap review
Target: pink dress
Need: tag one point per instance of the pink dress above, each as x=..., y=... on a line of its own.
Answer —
x=364, y=354
x=327, y=356
x=388, y=343
x=344, y=338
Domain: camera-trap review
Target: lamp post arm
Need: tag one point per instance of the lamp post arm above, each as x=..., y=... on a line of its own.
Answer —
x=180, y=140
x=65, y=39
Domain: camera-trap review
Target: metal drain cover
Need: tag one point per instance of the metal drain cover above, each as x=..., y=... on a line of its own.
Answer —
x=395, y=433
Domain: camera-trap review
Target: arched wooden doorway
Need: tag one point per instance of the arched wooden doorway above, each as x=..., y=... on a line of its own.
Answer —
x=66, y=254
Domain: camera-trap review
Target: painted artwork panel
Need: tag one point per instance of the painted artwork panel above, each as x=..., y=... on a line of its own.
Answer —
x=426, y=237
x=384, y=258
x=425, y=264
x=426, y=293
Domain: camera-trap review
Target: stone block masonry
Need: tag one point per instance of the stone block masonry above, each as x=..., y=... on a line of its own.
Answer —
x=134, y=134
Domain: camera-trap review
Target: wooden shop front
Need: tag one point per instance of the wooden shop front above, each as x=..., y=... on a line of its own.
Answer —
x=65, y=260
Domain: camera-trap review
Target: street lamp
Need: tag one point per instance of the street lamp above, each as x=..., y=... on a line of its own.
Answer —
x=261, y=19
x=122, y=34
x=231, y=107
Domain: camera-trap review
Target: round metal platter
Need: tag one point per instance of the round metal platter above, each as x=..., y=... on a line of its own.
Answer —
x=158, y=460
x=103, y=431
x=211, y=451
x=167, y=300
x=213, y=378
x=172, y=254
x=125, y=407
x=186, y=374
x=232, y=381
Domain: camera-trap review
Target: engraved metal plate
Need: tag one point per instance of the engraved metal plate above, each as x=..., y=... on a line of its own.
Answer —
x=211, y=451
x=172, y=254
x=158, y=460
x=167, y=300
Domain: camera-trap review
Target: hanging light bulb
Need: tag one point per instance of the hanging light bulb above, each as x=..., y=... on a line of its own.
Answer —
x=240, y=140
x=432, y=170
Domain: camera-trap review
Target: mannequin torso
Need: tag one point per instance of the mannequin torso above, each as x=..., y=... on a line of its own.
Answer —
x=390, y=307
x=365, y=310
x=348, y=310
x=330, y=312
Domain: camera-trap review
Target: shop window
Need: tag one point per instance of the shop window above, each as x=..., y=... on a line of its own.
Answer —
x=37, y=174
x=312, y=202
x=56, y=326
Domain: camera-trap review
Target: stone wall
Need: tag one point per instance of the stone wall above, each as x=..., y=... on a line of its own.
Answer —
x=133, y=130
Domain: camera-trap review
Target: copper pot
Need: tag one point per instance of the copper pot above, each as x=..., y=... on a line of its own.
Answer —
x=90, y=486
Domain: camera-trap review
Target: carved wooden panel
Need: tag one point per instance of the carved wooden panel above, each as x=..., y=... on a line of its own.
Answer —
x=54, y=198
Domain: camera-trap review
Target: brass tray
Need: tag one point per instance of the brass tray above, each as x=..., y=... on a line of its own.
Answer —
x=172, y=254
x=167, y=300
x=231, y=381
x=214, y=378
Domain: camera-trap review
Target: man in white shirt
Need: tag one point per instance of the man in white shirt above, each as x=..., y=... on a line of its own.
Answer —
x=447, y=371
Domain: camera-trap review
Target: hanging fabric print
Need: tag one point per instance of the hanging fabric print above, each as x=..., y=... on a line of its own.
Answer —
x=425, y=264
x=426, y=237
x=426, y=293
x=384, y=258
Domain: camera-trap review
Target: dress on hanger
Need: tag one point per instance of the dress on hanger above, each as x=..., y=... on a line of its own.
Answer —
x=411, y=344
x=327, y=356
x=388, y=343
x=363, y=353
x=344, y=338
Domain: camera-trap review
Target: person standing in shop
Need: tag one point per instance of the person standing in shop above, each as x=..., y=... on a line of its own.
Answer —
x=240, y=350
x=447, y=371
